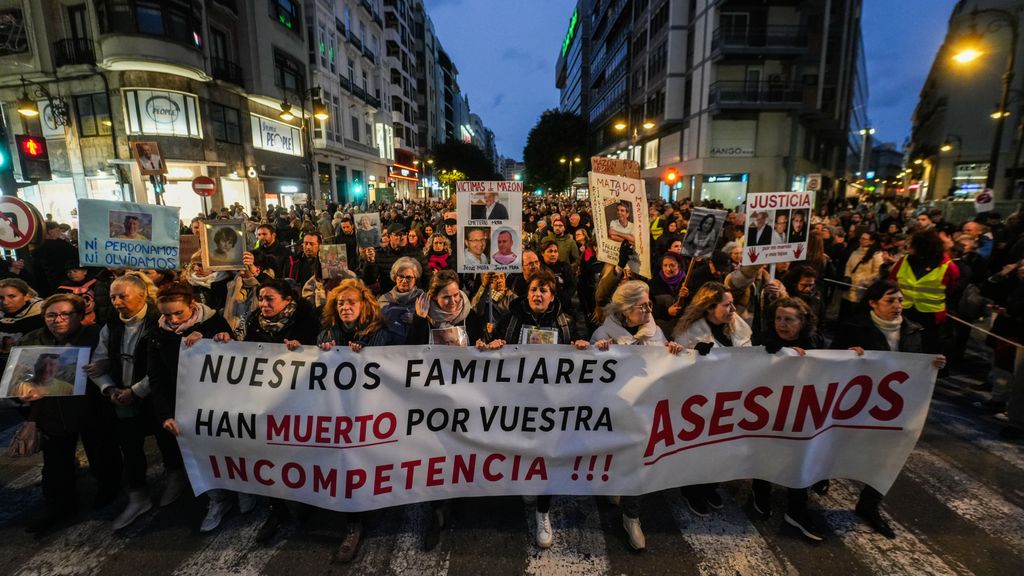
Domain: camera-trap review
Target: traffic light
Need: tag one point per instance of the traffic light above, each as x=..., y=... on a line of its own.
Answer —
x=35, y=159
x=671, y=177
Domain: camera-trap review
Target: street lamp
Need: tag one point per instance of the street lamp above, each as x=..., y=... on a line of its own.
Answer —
x=570, y=162
x=27, y=106
x=319, y=113
x=1010, y=20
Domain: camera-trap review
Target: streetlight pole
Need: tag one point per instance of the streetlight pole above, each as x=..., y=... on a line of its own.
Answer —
x=570, y=162
x=1010, y=20
x=865, y=137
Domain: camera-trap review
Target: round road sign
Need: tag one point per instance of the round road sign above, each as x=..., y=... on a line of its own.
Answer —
x=204, y=186
x=18, y=224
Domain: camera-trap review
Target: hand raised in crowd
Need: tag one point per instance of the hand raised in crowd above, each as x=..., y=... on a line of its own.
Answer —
x=423, y=305
x=371, y=255
x=190, y=340
x=17, y=266
x=171, y=425
x=250, y=268
x=96, y=369
x=292, y=345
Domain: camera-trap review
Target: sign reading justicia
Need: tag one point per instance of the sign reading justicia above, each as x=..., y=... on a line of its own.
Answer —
x=162, y=112
x=275, y=136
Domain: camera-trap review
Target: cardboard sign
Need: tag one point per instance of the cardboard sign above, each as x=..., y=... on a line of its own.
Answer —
x=777, y=225
x=128, y=235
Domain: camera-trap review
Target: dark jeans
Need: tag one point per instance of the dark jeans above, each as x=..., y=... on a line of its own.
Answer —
x=631, y=506
x=131, y=434
x=796, y=498
x=59, y=465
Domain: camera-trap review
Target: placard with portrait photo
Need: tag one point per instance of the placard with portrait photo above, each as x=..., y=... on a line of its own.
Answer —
x=128, y=235
x=42, y=371
x=149, y=159
x=222, y=244
x=490, y=217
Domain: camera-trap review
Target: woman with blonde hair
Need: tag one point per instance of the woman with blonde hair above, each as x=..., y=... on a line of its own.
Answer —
x=628, y=321
x=708, y=322
x=351, y=318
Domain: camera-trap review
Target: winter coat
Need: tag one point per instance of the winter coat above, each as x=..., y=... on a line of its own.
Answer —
x=861, y=331
x=162, y=352
x=520, y=314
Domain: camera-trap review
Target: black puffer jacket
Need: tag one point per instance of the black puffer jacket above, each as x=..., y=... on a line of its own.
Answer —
x=163, y=349
x=303, y=326
x=511, y=328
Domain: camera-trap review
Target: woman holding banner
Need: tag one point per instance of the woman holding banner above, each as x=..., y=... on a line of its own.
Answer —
x=184, y=320
x=669, y=291
x=628, y=322
x=709, y=321
x=794, y=328
x=537, y=318
x=444, y=316
x=352, y=319
x=880, y=324
x=283, y=318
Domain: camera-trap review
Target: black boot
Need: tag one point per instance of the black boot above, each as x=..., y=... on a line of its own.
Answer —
x=278, y=516
x=873, y=517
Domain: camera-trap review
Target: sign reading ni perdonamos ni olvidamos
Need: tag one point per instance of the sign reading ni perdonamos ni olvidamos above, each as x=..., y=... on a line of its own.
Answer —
x=403, y=424
x=777, y=226
x=128, y=235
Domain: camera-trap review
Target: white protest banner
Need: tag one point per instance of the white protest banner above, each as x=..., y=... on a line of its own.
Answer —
x=402, y=424
x=128, y=235
x=490, y=217
x=777, y=225
x=702, y=232
x=619, y=207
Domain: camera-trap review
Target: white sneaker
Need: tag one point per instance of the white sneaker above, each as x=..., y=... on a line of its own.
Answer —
x=138, y=504
x=246, y=503
x=545, y=534
x=215, y=514
x=637, y=540
x=173, y=488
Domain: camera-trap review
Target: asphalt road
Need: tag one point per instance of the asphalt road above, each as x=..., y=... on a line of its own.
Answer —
x=958, y=508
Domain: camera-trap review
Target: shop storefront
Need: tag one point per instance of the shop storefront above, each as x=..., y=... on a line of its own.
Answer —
x=59, y=198
x=729, y=189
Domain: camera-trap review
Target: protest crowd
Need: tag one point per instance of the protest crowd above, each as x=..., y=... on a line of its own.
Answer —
x=879, y=274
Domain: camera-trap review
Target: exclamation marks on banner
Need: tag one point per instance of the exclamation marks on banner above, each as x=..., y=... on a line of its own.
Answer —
x=592, y=467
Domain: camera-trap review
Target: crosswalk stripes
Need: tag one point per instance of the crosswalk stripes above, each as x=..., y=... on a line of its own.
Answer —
x=966, y=429
x=907, y=554
x=726, y=542
x=978, y=504
x=233, y=549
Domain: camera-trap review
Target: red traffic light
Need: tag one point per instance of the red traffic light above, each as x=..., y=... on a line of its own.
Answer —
x=33, y=147
x=671, y=176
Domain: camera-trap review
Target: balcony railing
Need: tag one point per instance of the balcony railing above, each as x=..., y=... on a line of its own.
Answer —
x=73, y=51
x=760, y=39
x=741, y=94
x=226, y=71
x=340, y=27
x=369, y=54
x=354, y=40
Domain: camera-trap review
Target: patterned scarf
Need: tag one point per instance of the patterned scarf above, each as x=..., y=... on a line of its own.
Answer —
x=277, y=323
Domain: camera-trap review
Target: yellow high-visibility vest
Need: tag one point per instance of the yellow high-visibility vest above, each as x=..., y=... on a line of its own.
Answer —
x=925, y=294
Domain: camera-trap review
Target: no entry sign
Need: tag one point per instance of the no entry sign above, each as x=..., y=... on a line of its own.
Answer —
x=204, y=186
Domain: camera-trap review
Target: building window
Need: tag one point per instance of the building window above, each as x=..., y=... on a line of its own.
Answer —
x=355, y=129
x=176, y=20
x=162, y=113
x=287, y=13
x=93, y=115
x=226, y=123
x=288, y=73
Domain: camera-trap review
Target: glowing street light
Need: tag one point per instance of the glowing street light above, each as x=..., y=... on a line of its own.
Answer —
x=967, y=55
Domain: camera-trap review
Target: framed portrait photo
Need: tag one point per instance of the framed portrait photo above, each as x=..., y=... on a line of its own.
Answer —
x=222, y=244
x=42, y=371
x=149, y=159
